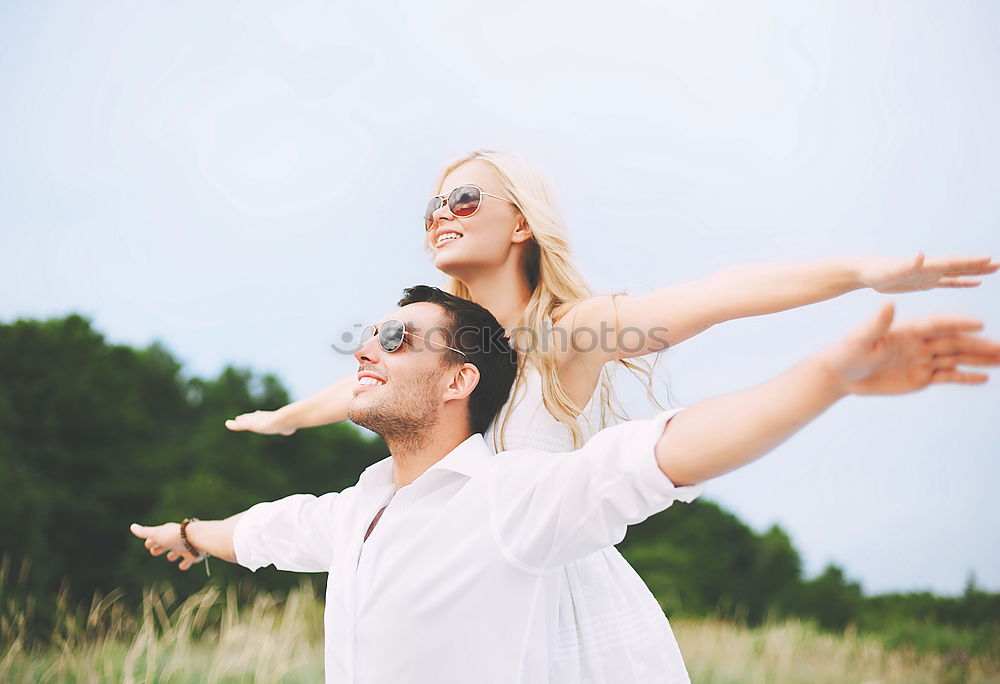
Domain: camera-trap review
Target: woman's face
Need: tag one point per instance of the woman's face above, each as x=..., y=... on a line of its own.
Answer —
x=484, y=239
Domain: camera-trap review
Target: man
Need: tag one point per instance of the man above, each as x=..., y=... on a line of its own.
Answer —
x=442, y=557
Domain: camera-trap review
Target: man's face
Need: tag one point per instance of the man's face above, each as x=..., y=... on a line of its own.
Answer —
x=401, y=391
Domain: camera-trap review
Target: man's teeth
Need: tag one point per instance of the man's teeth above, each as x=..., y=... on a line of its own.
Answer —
x=368, y=380
x=448, y=236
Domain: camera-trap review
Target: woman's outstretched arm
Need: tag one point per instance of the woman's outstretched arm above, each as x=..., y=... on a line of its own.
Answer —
x=653, y=322
x=325, y=407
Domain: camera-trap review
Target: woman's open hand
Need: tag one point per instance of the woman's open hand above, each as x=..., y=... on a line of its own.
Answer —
x=911, y=274
x=261, y=422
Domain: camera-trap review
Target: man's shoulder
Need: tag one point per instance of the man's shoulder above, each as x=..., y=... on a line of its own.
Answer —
x=526, y=458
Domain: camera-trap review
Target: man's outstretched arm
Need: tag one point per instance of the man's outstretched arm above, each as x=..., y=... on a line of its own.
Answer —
x=212, y=537
x=719, y=435
x=294, y=534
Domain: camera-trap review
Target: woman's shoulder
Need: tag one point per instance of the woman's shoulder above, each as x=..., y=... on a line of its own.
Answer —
x=583, y=310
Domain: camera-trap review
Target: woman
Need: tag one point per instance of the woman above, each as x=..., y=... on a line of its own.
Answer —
x=494, y=230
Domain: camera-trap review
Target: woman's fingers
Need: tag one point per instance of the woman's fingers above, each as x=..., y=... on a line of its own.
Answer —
x=954, y=266
x=237, y=423
x=257, y=421
x=956, y=282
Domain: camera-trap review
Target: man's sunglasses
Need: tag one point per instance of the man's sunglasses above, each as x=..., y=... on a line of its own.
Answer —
x=390, y=336
x=462, y=202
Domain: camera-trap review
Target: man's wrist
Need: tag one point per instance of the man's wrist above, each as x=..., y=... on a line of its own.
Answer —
x=185, y=532
x=827, y=381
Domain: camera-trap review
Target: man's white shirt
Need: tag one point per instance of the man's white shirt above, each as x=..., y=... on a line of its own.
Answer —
x=457, y=581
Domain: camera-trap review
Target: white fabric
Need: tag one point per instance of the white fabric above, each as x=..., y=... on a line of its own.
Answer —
x=611, y=628
x=459, y=581
x=529, y=424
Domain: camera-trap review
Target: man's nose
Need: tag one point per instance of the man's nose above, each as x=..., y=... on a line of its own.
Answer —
x=369, y=350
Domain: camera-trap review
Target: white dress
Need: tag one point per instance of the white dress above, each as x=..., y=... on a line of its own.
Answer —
x=609, y=629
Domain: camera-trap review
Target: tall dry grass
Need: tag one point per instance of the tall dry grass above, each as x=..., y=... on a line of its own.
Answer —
x=209, y=637
x=793, y=652
x=216, y=637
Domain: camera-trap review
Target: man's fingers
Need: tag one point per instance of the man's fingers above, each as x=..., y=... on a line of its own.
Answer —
x=173, y=555
x=156, y=550
x=184, y=564
x=935, y=326
x=876, y=326
x=138, y=530
x=961, y=377
x=953, y=360
x=234, y=424
x=149, y=542
x=968, y=344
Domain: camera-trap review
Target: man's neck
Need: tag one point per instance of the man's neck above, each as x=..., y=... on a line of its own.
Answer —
x=413, y=454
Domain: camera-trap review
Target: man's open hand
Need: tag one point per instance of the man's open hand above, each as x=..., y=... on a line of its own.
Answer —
x=165, y=538
x=881, y=358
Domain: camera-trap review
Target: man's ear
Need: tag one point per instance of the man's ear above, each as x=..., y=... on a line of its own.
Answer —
x=522, y=233
x=463, y=381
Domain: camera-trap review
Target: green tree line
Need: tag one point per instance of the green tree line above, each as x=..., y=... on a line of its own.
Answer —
x=94, y=436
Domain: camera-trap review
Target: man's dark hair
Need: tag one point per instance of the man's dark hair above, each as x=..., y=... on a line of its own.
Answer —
x=477, y=333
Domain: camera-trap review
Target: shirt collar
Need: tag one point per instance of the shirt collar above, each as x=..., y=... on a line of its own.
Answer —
x=468, y=459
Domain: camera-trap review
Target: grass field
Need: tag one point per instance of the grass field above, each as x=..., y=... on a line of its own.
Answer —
x=216, y=638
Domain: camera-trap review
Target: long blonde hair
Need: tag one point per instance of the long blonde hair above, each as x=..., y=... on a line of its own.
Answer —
x=555, y=281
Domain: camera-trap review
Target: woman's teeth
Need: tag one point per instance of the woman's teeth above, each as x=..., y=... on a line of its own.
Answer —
x=445, y=237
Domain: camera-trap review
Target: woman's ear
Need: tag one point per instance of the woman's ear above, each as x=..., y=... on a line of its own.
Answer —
x=522, y=233
x=465, y=379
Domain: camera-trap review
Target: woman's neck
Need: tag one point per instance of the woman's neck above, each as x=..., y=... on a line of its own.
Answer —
x=503, y=292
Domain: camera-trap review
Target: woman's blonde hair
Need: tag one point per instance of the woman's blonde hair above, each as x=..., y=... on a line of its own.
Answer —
x=555, y=281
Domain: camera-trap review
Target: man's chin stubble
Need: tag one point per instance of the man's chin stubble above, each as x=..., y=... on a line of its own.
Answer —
x=400, y=429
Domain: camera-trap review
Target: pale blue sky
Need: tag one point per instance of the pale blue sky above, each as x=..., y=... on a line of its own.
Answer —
x=244, y=180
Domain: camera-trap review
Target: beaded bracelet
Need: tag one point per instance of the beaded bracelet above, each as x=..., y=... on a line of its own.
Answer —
x=190, y=547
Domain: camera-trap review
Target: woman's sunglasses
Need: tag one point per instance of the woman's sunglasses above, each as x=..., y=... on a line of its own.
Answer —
x=390, y=336
x=462, y=202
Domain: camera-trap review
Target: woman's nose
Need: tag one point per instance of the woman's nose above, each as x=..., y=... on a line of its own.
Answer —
x=442, y=213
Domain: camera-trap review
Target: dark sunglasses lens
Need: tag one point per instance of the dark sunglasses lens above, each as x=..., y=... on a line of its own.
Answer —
x=432, y=206
x=390, y=335
x=367, y=333
x=464, y=200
